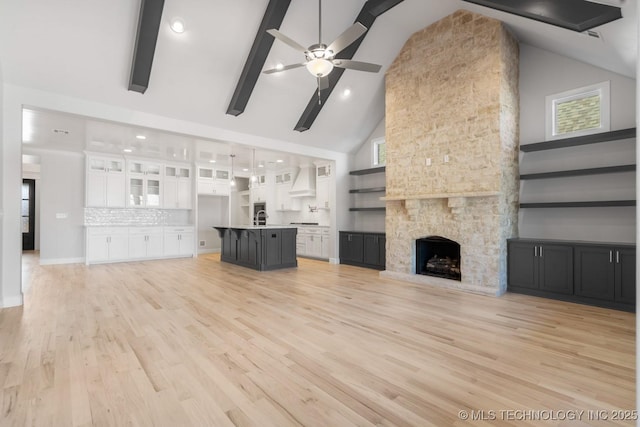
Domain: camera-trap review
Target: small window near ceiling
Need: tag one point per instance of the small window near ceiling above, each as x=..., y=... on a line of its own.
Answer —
x=379, y=152
x=577, y=112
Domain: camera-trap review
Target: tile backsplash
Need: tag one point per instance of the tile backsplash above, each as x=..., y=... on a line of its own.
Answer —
x=141, y=217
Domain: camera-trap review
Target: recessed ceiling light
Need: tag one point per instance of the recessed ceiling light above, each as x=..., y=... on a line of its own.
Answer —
x=141, y=137
x=346, y=93
x=260, y=165
x=279, y=66
x=212, y=161
x=128, y=150
x=245, y=170
x=177, y=25
x=279, y=161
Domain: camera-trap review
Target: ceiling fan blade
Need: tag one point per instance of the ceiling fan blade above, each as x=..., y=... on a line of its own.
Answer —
x=357, y=65
x=323, y=82
x=350, y=35
x=292, y=43
x=285, y=68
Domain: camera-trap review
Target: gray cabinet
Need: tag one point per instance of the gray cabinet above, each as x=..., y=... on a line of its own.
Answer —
x=592, y=273
x=363, y=249
x=538, y=266
x=259, y=248
x=606, y=273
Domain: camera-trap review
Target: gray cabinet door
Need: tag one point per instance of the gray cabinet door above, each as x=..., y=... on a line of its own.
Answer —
x=522, y=265
x=594, y=269
x=271, y=239
x=371, y=249
x=625, y=275
x=351, y=247
x=288, y=253
x=556, y=268
x=374, y=250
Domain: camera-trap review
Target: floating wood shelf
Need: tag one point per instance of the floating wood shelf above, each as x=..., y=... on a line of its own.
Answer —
x=592, y=204
x=368, y=190
x=580, y=140
x=579, y=172
x=380, y=209
x=368, y=171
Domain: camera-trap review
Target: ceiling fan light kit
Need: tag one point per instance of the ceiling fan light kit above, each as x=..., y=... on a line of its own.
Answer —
x=320, y=58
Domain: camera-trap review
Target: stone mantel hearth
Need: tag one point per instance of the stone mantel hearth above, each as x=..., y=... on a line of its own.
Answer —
x=452, y=94
x=442, y=196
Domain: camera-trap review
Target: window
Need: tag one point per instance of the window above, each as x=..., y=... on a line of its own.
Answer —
x=379, y=152
x=576, y=112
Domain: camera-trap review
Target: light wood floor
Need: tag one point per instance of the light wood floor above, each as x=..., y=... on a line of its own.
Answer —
x=197, y=342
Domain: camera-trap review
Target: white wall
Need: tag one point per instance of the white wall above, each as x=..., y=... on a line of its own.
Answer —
x=212, y=211
x=62, y=194
x=363, y=159
x=544, y=73
x=11, y=172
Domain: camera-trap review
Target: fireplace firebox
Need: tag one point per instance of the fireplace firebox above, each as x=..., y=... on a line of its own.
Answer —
x=438, y=256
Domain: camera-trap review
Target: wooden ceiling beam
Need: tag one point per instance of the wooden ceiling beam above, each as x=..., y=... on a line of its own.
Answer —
x=273, y=17
x=145, y=46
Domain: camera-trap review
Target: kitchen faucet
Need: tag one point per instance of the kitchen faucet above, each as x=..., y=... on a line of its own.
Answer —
x=256, y=218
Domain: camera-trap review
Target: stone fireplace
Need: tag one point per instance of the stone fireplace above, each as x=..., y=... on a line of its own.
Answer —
x=452, y=151
x=438, y=256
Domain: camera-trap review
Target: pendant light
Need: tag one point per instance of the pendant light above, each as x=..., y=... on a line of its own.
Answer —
x=254, y=178
x=233, y=177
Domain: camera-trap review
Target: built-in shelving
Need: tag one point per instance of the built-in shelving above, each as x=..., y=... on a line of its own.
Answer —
x=580, y=140
x=579, y=172
x=368, y=190
x=590, y=204
x=615, y=135
x=375, y=186
x=368, y=171
x=378, y=209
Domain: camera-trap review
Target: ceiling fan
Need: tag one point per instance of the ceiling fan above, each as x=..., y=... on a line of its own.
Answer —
x=320, y=58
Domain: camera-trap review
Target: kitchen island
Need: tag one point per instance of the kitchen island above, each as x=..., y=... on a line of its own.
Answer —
x=260, y=247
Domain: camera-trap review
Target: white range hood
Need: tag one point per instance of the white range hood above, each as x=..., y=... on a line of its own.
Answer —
x=305, y=183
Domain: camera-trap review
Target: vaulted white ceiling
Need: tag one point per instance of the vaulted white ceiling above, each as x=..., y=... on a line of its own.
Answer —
x=83, y=49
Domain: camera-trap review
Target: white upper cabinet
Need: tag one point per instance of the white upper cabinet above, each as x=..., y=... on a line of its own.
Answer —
x=144, y=184
x=324, y=185
x=213, y=181
x=105, y=185
x=177, y=187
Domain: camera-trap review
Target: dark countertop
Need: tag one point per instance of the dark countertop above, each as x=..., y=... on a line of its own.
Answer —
x=573, y=242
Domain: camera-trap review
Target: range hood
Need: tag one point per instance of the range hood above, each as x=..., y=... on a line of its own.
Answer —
x=305, y=183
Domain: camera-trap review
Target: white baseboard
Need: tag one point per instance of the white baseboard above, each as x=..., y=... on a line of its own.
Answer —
x=334, y=260
x=55, y=261
x=11, y=302
x=209, y=251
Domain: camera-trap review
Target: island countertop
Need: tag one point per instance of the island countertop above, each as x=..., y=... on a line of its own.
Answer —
x=253, y=227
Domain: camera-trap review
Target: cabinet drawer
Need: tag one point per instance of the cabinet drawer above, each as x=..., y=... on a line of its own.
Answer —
x=185, y=229
x=107, y=231
x=145, y=230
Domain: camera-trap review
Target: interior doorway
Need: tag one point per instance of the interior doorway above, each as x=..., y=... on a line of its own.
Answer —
x=28, y=214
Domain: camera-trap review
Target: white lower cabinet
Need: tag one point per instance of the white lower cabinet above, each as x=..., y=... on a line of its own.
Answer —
x=107, y=244
x=113, y=244
x=178, y=241
x=326, y=244
x=145, y=242
x=313, y=242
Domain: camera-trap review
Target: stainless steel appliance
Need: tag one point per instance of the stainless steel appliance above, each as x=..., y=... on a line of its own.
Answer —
x=260, y=213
